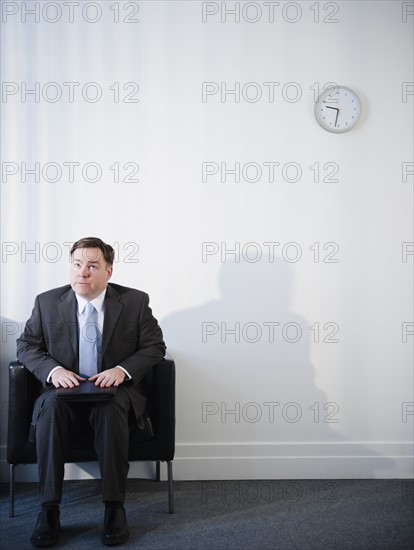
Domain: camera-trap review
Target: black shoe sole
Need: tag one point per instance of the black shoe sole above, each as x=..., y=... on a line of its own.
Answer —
x=44, y=543
x=121, y=540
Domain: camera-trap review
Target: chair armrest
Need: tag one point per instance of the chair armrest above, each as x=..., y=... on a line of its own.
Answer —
x=23, y=391
x=164, y=405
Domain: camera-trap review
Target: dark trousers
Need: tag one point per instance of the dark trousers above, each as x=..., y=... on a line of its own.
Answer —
x=56, y=422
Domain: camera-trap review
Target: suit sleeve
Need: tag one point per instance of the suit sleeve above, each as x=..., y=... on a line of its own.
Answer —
x=32, y=349
x=151, y=346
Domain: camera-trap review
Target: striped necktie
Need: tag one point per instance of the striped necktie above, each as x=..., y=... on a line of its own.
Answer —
x=89, y=336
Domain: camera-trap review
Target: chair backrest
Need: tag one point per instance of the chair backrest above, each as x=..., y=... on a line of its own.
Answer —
x=159, y=387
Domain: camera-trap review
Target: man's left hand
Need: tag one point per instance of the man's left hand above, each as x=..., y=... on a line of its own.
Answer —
x=110, y=377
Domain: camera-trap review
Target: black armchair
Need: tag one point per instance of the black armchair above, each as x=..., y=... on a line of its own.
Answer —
x=155, y=443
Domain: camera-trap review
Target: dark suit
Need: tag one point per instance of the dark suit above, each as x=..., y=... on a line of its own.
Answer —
x=131, y=338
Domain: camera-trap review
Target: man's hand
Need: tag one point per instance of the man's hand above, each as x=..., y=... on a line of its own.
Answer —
x=109, y=377
x=63, y=378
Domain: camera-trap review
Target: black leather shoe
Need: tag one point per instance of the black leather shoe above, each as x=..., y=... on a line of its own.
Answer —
x=115, y=527
x=46, y=531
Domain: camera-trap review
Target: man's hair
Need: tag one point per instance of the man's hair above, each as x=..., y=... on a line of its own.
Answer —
x=93, y=242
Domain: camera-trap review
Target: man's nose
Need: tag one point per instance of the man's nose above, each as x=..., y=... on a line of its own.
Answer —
x=83, y=271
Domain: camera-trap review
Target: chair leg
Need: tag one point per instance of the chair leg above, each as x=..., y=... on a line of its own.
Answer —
x=157, y=471
x=11, y=491
x=170, y=488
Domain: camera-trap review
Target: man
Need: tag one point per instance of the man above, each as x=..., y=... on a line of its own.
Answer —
x=116, y=346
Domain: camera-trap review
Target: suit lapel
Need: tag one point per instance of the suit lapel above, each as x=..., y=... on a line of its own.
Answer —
x=68, y=312
x=113, y=309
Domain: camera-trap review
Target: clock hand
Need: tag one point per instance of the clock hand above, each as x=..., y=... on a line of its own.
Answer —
x=337, y=112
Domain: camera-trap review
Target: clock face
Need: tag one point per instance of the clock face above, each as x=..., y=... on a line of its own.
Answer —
x=338, y=109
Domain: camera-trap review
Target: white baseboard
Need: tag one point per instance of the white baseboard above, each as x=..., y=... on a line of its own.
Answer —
x=282, y=460
x=294, y=460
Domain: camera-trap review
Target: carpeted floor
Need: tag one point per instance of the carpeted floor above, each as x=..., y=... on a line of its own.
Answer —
x=279, y=515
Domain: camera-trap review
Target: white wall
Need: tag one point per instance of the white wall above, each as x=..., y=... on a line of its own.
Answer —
x=333, y=403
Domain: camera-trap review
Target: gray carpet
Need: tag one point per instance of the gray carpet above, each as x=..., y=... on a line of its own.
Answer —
x=279, y=515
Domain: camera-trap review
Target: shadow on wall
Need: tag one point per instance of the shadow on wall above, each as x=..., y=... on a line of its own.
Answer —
x=244, y=373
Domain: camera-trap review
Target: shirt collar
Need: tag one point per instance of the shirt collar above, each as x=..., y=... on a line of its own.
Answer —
x=96, y=302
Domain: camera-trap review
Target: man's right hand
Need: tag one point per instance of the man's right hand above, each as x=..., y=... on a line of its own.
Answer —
x=63, y=378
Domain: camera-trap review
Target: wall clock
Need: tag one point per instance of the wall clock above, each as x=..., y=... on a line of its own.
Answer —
x=338, y=109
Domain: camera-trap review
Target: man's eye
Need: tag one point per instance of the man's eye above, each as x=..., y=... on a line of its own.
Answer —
x=92, y=267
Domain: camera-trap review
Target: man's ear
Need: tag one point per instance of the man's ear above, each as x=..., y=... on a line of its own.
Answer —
x=109, y=272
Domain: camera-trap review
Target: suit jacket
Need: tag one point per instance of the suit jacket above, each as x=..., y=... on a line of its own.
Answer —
x=131, y=336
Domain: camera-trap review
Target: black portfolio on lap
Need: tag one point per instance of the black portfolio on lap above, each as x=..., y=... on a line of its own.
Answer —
x=86, y=391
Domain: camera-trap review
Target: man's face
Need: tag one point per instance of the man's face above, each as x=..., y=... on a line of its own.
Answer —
x=89, y=274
